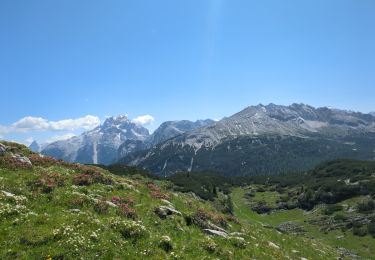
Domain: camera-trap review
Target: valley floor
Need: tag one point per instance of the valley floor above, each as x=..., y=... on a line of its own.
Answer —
x=345, y=244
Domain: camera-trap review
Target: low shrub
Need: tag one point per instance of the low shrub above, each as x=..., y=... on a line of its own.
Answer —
x=331, y=208
x=152, y=186
x=47, y=182
x=166, y=243
x=101, y=207
x=201, y=217
x=91, y=176
x=209, y=245
x=371, y=228
x=13, y=164
x=238, y=242
x=340, y=217
x=159, y=195
x=129, y=229
x=127, y=211
x=360, y=231
x=366, y=206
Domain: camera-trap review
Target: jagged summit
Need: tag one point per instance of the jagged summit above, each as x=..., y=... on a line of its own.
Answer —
x=35, y=147
x=99, y=145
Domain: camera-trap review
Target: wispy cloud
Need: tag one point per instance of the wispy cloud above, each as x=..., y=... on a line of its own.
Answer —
x=144, y=120
x=59, y=137
x=31, y=123
x=29, y=140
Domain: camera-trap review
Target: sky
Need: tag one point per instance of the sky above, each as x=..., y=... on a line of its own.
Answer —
x=66, y=65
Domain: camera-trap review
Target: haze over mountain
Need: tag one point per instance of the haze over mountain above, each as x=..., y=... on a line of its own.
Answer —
x=264, y=139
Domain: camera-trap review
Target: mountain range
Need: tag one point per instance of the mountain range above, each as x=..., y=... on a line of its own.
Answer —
x=257, y=140
x=264, y=140
x=114, y=139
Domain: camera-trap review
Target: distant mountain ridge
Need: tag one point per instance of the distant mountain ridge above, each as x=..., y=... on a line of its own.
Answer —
x=165, y=131
x=35, y=147
x=114, y=139
x=255, y=133
x=100, y=145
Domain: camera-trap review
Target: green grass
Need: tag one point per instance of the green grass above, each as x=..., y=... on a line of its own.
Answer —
x=362, y=246
x=68, y=221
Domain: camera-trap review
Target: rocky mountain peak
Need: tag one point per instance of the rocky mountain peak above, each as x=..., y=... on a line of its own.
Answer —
x=35, y=147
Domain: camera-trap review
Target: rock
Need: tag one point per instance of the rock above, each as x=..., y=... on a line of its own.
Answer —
x=164, y=211
x=167, y=202
x=8, y=194
x=290, y=227
x=271, y=244
x=267, y=226
x=345, y=253
x=212, y=226
x=111, y=204
x=74, y=211
x=215, y=233
x=22, y=159
x=2, y=149
x=236, y=234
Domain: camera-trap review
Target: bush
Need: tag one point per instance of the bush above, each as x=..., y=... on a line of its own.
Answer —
x=101, y=207
x=48, y=182
x=331, y=208
x=209, y=245
x=159, y=195
x=127, y=211
x=371, y=228
x=201, y=218
x=166, y=243
x=261, y=207
x=119, y=200
x=238, y=242
x=153, y=186
x=78, y=202
x=366, y=206
x=91, y=176
x=13, y=164
x=340, y=217
x=129, y=229
x=360, y=231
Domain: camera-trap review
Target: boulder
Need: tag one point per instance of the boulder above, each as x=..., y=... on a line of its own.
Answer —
x=290, y=227
x=215, y=233
x=164, y=211
x=237, y=234
x=109, y=203
x=8, y=194
x=75, y=211
x=212, y=226
x=22, y=159
x=167, y=202
x=2, y=149
x=271, y=244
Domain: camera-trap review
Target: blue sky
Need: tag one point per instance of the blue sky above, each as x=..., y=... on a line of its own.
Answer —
x=186, y=59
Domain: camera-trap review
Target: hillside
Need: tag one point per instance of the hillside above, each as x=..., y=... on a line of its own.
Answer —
x=56, y=210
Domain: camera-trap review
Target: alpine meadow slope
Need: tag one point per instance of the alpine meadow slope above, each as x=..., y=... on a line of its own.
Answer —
x=51, y=209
